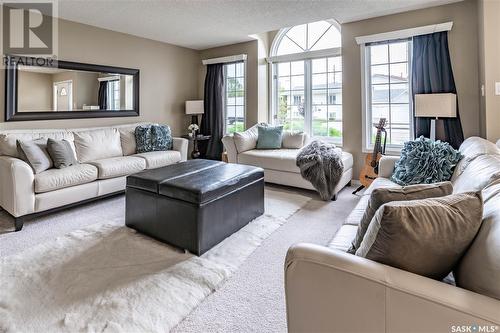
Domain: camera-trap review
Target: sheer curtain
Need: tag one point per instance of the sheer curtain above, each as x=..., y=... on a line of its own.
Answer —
x=432, y=73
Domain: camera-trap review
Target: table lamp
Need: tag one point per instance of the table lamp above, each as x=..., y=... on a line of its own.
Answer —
x=194, y=108
x=435, y=106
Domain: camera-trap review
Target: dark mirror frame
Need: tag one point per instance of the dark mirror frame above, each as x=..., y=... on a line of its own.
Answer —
x=11, y=85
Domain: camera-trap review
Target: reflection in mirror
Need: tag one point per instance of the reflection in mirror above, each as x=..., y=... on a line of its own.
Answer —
x=44, y=89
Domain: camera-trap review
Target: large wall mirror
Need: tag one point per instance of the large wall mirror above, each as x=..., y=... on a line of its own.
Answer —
x=68, y=90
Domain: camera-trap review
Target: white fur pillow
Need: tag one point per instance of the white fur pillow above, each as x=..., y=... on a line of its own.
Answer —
x=293, y=140
x=246, y=140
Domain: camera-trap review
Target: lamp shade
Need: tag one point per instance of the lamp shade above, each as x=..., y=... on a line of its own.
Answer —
x=194, y=107
x=436, y=105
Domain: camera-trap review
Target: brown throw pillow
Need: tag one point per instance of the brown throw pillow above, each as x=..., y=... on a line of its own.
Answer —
x=427, y=237
x=381, y=196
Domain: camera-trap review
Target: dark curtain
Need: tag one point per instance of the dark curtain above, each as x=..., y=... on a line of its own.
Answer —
x=102, y=97
x=212, y=122
x=432, y=73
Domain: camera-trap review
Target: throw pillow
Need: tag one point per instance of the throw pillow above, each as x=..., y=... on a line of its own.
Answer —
x=426, y=237
x=61, y=153
x=35, y=154
x=247, y=140
x=293, y=140
x=153, y=138
x=380, y=196
x=424, y=161
x=269, y=137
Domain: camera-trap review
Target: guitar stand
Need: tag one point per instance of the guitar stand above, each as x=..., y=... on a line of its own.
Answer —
x=358, y=189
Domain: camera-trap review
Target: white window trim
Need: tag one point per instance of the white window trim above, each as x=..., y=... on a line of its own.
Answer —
x=246, y=94
x=224, y=60
x=367, y=115
x=306, y=56
x=405, y=33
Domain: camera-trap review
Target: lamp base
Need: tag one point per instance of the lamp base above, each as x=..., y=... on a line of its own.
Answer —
x=432, y=134
x=194, y=119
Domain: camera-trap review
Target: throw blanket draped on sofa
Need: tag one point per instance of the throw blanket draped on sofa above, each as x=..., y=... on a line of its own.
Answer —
x=321, y=164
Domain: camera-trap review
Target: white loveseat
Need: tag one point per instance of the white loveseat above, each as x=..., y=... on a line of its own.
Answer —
x=329, y=290
x=106, y=155
x=278, y=164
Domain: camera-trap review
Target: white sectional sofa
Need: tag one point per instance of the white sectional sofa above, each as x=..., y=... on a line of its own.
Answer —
x=278, y=164
x=106, y=155
x=329, y=290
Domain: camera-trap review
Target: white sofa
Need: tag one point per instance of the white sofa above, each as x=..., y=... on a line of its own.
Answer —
x=278, y=164
x=106, y=155
x=329, y=290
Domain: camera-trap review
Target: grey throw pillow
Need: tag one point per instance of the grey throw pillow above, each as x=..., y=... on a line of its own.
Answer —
x=35, y=154
x=381, y=196
x=61, y=153
x=426, y=237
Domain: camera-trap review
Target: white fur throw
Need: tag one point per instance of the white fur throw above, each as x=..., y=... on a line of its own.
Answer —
x=321, y=164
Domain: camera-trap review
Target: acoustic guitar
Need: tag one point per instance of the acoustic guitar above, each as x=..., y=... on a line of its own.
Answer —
x=370, y=169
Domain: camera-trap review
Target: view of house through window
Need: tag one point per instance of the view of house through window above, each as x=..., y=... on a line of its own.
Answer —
x=234, y=74
x=308, y=88
x=387, y=75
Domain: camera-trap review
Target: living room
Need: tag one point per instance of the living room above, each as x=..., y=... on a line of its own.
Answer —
x=219, y=166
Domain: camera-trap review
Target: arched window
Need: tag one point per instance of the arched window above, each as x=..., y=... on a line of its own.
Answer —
x=307, y=79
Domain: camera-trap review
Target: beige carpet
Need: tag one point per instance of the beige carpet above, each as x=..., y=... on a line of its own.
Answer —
x=108, y=278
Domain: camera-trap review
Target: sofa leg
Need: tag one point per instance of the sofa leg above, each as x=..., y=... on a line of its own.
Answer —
x=334, y=198
x=18, y=223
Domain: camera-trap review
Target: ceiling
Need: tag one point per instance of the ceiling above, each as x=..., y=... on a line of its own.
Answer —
x=201, y=24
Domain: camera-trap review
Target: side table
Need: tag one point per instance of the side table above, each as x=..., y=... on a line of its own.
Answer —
x=198, y=145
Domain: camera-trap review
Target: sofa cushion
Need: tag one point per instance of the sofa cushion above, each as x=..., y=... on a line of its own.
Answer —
x=61, y=153
x=380, y=196
x=9, y=138
x=343, y=238
x=34, y=152
x=97, y=144
x=157, y=159
x=293, y=140
x=119, y=166
x=414, y=235
x=479, y=269
x=246, y=140
x=424, y=161
x=54, y=179
x=269, y=137
x=281, y=159
x=480, y=171
x=127, y=139
x=380, y=183
x=470, y=149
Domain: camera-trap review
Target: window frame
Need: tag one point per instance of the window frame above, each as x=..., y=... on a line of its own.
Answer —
x=244, y=61
x=366, y=98
x=307, y=57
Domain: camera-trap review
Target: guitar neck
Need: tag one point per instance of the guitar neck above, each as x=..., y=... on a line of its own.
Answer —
x=377, y=148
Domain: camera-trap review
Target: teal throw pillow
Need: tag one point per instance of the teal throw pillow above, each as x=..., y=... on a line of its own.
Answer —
x=269, y=137
x=153, y=138
x=424, y=161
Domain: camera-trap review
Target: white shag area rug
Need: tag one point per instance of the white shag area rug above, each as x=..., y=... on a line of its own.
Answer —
x=109, y=278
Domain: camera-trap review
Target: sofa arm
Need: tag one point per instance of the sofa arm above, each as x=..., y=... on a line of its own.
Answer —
x=17, y=195
x=329, y=290
x=232, y=153
x=386, y=166
x=181, y=145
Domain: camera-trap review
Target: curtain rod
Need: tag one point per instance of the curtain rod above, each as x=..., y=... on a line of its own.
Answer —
x=405, y=33
x=222, y=60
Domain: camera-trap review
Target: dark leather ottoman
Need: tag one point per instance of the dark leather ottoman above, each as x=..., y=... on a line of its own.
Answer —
x=194, y=204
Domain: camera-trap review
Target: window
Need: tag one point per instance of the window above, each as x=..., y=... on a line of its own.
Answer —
x=307, y=79
x=113, y=92
x=234, y=74
x=387, y=91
